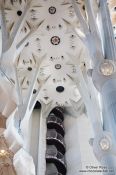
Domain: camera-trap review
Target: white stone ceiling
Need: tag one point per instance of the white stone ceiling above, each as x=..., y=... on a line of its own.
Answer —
x=55, y=42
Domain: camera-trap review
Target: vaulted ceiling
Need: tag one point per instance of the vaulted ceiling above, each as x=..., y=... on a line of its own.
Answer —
x=54, y=46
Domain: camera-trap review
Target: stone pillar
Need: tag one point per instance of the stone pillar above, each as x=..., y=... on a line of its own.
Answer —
x=104, y=79
x=34, y=135
x=108, y=96
x=42, y=146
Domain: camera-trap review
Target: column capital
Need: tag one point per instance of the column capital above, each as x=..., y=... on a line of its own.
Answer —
x=104, y=71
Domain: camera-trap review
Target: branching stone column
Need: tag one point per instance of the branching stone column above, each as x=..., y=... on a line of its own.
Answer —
x=104, y=78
